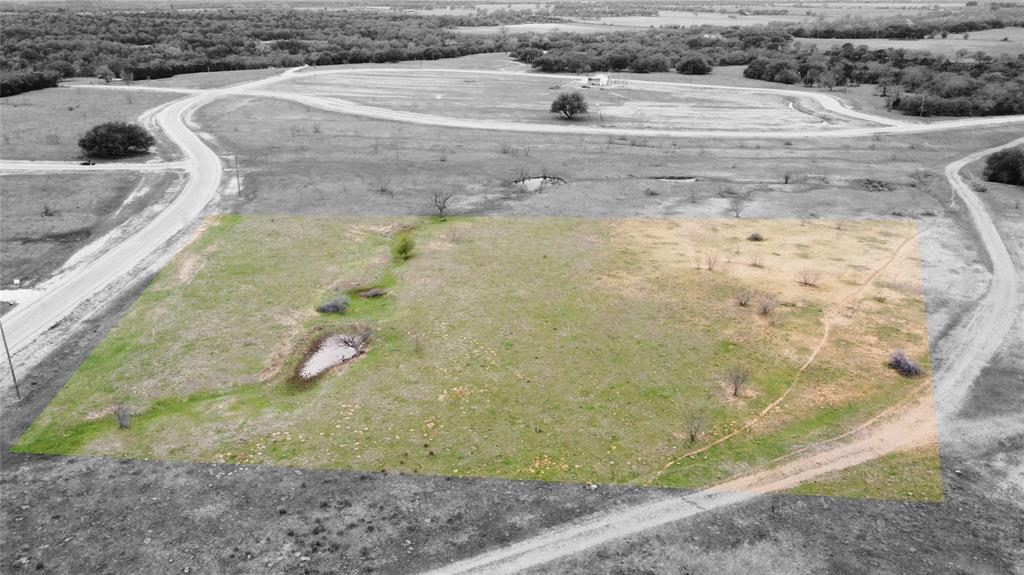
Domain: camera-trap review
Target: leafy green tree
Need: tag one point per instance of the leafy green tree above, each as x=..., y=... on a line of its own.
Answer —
x=693, y=64
x=569, y=104
x=114, y=139
x=1006, y=166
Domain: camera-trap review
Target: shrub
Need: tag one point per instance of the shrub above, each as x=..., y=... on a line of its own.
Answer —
x=766, y=305
x=904, y=365
x=744, y=298
x=372, y=293
x=1006, y=166
x=124, y=416
x=403, y=246
x=756, y=237
x=114, y=139
x=809, y=277
x=336, y=305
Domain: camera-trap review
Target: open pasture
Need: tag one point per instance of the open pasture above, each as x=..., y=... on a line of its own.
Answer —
x=476, y=372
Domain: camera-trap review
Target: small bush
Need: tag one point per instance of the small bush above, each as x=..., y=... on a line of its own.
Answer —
x=403, y=247
x=744, y=298
x=766, y=305
x=335, y=305
x=755, y=237
x=372, y=293
x=809, y=278
x=124, y=416
x=904, y=365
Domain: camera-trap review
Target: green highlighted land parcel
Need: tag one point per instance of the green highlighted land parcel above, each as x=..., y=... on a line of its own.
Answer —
x=656, y=352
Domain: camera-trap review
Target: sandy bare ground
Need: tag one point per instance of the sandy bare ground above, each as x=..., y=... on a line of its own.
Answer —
x=975, y=342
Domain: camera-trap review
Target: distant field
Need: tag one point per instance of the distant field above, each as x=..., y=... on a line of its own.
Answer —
x=988, y=41
x=631, y=104
x=205, y=80
x=680, y=18
x=476, y=371
x=46, y=124
x=541, y=28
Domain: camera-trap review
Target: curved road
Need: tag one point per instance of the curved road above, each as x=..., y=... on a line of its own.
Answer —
x=25, y=322
x=885, y=126
x=974, y=343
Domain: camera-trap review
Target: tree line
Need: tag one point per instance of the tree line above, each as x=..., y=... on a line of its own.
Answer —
x=913, y=82
x=921, y=25
x=691, y=50
x=40, y=46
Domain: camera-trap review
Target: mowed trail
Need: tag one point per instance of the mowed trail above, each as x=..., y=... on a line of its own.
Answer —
x=968, y=348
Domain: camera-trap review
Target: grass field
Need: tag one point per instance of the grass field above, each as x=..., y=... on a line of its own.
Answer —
x=988, y=41
x=631, y=105
x=904, y=475
x=46, y=124
x=492, y=353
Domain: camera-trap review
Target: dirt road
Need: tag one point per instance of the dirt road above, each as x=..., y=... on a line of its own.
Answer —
x=26, y=166
x=972, y=346
x=24, y=323
x=886, y=126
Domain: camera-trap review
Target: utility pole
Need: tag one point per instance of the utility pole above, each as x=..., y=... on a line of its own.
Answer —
x=238, y=177
x=9, y=361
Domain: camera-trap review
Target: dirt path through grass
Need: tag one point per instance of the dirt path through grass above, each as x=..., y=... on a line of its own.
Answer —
x=974, y=344
x=833, y=316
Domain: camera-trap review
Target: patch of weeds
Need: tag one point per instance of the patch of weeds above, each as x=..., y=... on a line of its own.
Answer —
x=338, y=304
x=903, y=365
x=402, y=246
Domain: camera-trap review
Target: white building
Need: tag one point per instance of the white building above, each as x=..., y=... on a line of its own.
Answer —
x=595, y=81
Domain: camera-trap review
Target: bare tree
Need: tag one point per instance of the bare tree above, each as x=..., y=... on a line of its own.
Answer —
x=736, y=378
x=755, y=261
x=786, y=177
x=441, y=200
x=710, y=262
x=695, y=420
x=736, y=205
x=766, y=305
